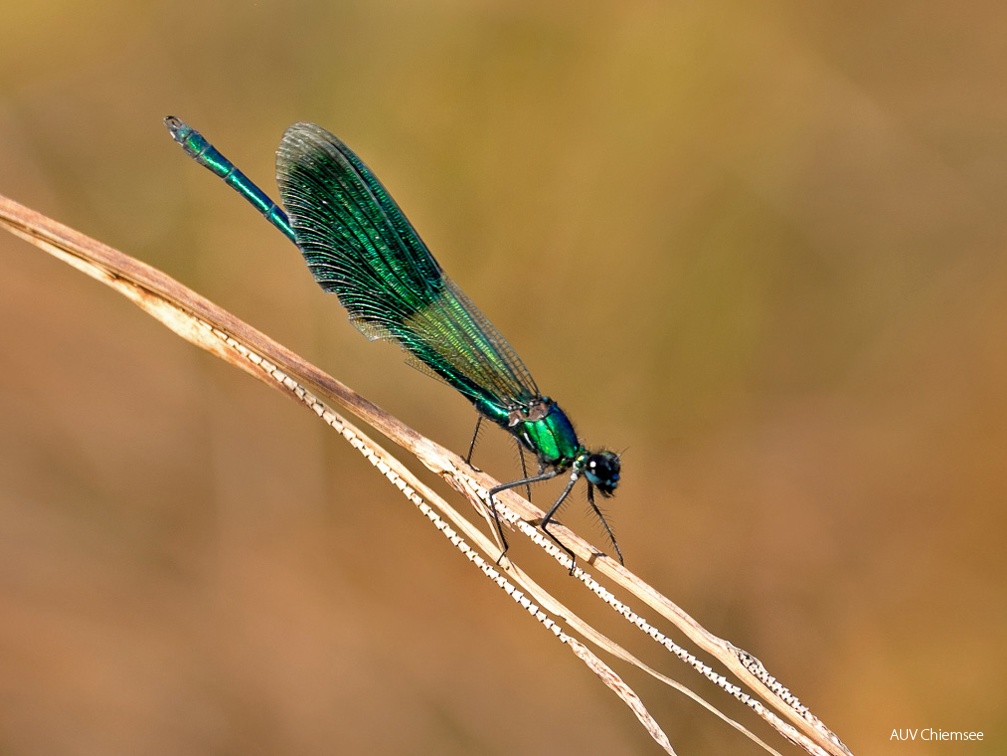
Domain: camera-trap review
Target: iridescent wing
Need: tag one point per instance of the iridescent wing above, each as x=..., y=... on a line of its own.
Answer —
x=358, y=244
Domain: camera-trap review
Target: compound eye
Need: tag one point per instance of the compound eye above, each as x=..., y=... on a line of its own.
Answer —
x=602, y=470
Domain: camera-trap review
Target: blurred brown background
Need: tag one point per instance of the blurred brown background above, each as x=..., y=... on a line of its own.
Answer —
x=760, y=249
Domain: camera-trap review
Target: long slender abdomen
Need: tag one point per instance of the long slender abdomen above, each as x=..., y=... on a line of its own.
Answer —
x=199, y=149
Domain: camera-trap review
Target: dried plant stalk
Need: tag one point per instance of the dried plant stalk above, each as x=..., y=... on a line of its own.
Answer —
x=212, y=328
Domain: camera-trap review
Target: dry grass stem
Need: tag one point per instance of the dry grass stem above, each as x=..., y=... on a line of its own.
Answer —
x=209, y=327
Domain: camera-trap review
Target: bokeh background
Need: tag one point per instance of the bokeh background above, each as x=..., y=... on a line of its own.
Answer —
x=760, y=248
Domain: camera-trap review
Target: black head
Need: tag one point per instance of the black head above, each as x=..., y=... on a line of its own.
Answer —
x=602, y=471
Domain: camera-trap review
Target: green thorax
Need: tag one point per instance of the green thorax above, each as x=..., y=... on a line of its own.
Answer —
x=544, y=429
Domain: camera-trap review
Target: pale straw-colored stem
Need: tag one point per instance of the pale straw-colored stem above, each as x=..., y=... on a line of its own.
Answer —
x=209, y=327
